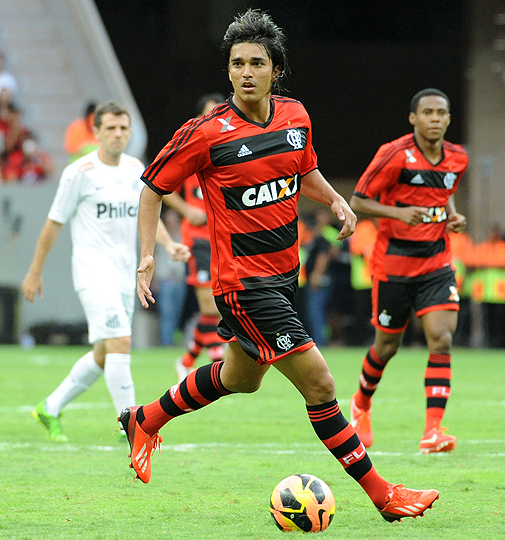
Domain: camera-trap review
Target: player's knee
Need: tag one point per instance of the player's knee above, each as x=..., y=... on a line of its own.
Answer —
x=440, y=342
x=320, y=390
x=243, y=386
x=387, y=350
x=118, y=345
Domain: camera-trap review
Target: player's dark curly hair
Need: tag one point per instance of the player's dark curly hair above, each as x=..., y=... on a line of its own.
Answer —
x=256, y=26
x=427, y=92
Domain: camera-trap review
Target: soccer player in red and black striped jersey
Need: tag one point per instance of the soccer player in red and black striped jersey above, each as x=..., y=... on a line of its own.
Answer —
x=253, y=156
x=409, y=185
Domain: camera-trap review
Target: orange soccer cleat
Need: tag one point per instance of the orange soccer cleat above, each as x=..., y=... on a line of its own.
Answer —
x=435, y=440
x=142, y=446
x=404, y=502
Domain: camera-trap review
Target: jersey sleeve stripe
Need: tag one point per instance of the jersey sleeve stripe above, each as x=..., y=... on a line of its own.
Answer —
x=181, y=139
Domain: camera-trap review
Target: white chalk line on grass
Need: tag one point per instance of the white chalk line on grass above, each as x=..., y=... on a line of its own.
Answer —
x=70, y=406
x=105, y=405
x=265, y=448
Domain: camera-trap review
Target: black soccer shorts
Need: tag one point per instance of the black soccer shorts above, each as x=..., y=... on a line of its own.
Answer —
x=264, y=322
x=392, y=301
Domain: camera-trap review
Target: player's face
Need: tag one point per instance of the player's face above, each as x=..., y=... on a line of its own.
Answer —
x=251, y=72
x=114, y=133
x=431, y=119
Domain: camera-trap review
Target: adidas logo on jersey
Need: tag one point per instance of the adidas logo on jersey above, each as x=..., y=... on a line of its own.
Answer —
x=244, y=151
x=418, y=179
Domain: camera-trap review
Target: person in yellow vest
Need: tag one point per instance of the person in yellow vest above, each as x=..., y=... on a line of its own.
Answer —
x=361, y=246
x=488, y=286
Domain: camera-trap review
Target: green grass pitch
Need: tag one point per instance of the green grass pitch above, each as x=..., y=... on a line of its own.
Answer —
x=218, y=466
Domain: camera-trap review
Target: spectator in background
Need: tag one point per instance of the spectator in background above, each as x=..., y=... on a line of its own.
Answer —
x=322, y=249
x=488, y=285
x=462, y=257
x=7, y=79
x=11, y=124
x=170, y=282
x=341, y=308
x=188, y=201
x=79, y=136
x=27, y=164
x=361, y=245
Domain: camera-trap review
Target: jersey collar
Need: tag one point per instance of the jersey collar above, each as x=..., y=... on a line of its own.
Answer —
x=238, y=112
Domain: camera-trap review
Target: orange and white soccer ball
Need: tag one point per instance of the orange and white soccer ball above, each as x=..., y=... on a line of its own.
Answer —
x=302, y=502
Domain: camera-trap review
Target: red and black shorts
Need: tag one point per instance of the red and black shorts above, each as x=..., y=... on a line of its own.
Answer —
x=392, y=301
x=264, y=322
x=199, y=264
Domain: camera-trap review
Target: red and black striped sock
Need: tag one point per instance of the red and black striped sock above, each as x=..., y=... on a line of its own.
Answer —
x=369, y=379
x=200, y=388
x=437, y=387
x=341, y=440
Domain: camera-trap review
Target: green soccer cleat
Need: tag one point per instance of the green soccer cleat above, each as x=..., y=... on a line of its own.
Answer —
x=51, y=423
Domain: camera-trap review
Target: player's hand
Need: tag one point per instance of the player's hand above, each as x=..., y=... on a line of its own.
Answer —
x=178, y=251
x=348, y=218
x=196, y=216
x=456, y=223
x=413, y=215
x=145, y=273
x=32, y=285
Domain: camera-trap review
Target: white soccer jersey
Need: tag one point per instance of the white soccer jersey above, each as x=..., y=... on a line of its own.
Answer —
x=101, y=202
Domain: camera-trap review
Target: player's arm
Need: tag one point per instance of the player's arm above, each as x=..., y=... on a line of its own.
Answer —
x=456, y=222
x=176, y=250
x=411, y=215
x=149, y=215
x=196, y=216
x=32, y=283
x=316, y=187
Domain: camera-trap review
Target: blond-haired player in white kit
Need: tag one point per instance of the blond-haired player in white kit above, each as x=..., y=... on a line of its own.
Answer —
x=99, y=195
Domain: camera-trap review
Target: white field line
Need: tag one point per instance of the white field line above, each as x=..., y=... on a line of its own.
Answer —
x=265, y=448
x=91, y=406
x=70, y=406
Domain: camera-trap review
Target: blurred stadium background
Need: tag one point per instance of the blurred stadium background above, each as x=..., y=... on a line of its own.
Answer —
x=355, y=65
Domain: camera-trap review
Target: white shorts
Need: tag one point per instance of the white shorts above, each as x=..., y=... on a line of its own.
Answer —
x=108, y=313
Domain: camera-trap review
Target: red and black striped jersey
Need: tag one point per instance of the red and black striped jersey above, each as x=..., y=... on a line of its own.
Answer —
x=400, y=175
x=250, y=176
x=191, y=192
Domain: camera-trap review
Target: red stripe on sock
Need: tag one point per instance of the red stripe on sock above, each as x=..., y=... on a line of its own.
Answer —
x=340, y=438
x=318, y=416
x=376, y=487
x=155, y=417
x=193, y=390
x=440, y=358
x=438, y=373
